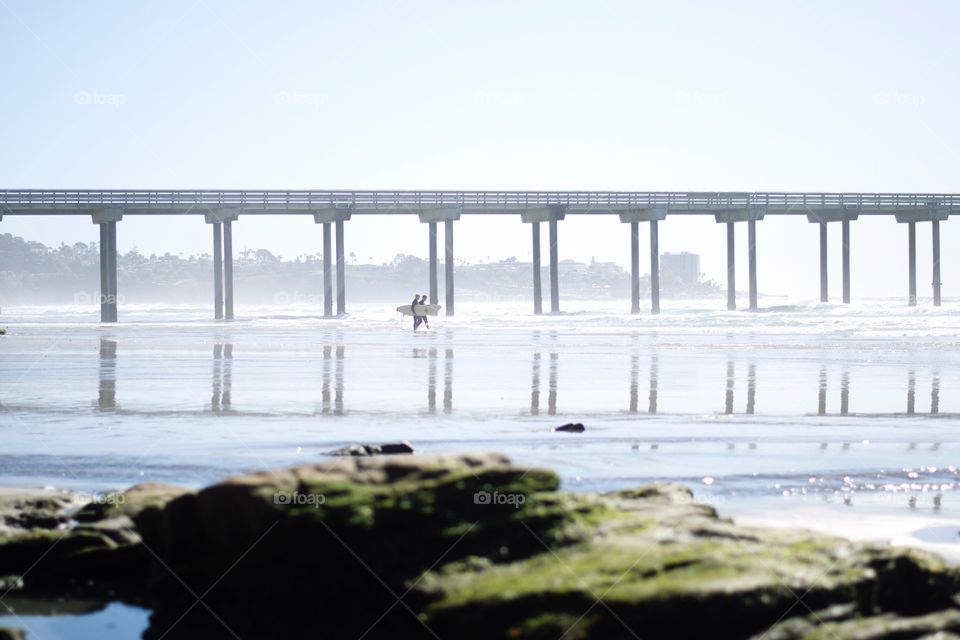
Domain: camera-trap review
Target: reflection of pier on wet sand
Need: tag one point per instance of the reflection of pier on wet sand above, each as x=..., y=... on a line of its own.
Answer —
x=550, y=362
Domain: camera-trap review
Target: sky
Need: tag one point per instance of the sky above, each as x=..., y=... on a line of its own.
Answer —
x=528, y=95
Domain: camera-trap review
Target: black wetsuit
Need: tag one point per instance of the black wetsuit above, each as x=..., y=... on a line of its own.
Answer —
x=416, y=319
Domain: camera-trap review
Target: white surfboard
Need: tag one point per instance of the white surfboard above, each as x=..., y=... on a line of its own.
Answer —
x=420, y=310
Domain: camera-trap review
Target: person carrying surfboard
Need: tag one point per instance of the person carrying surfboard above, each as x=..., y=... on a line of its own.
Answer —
x=423, y=319
x=413, y=307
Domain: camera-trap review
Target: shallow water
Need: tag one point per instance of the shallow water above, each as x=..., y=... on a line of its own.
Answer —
x=801, y=415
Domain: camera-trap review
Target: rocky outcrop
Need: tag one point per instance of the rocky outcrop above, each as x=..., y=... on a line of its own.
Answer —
x=56, y=543
x=7, y=633
x=474, y=547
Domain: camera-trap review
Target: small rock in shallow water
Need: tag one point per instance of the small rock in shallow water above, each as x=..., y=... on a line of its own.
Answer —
x=571, y=427
x=390, y=448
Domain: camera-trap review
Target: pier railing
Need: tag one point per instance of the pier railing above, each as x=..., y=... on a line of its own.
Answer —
x=386, y=200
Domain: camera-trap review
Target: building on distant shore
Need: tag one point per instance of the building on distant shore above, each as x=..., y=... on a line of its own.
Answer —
x=680, y=268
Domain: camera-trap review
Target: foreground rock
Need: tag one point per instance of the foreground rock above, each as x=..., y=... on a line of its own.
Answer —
x=56, y=543
x=473, y=547
x=11, y=634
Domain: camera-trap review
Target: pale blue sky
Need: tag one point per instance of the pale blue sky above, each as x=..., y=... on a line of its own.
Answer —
x=496, y=95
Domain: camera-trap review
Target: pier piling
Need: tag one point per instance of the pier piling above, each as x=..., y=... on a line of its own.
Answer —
x=217, y=270
x=635, y=267
x=846, y=261
x=731, y=270
x=327, y=268
x=824, y=293
x=107, y=220
x=912, y=258
x=433, y=262
x=633, y=217
x=228, y=269
x=341, y=271
x=554, y=270
x=654, y=266
x=936, y=262
x=448, y=263
x=537, y=270
x=752, y=261
x=447, y=215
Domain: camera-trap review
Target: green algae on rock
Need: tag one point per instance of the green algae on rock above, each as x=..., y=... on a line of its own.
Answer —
x=471, y=546
x=70, y=544
x=541, y=564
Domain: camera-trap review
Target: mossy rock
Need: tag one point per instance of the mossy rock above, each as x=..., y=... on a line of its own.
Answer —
x=410, y=537
x=50, y=546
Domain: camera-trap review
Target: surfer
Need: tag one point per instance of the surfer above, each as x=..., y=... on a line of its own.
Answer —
x=423, y=319
x=413, y=308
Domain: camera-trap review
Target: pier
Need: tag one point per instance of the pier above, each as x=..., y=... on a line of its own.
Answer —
x=333, y=209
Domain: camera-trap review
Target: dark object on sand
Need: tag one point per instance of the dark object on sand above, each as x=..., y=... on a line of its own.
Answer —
x=572, y=427
x=3, y=332
x=388, y=449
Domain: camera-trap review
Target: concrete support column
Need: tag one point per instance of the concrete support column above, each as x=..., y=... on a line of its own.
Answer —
x=104, y=268
x=549, y=214
x=752, y=261
x=554, y=270
x=217, y=270
x=750, y=215
x=341, y=271
x=654, y=266
x=823, y=217
x=912, y=258
x=113, y=272
x=633, y=217
x=228, y=269
x=846, y=261
x=334, y=215
x=434, y=296
x=934, y=213
x=448, y=263
x=107, y=220
x=108, y=272
x=824, y=294
x=220, y=220
x=537, y=270
x=448, y=216
x=634, y=267
x=731, y=269
x=327, y=270
x=936, y=262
